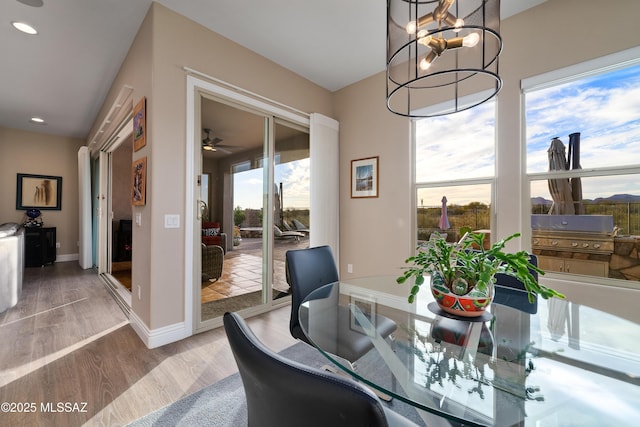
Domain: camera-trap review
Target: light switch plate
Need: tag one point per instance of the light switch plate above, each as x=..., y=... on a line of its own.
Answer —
x=172, y=221
x=138, y=219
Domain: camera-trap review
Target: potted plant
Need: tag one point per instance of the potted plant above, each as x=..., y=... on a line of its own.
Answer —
x=463, y=273
x=236, y=236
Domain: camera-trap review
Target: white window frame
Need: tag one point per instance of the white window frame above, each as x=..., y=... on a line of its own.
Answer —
x=600, y=65
x=491, y=180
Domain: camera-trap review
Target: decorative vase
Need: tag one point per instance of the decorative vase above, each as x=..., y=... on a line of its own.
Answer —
x=236, y=240
x=471, y=304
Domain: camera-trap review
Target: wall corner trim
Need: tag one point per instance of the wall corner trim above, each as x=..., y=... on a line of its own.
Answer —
x=153, y=338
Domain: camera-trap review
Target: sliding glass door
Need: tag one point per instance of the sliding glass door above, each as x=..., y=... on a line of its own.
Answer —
x=233, y=147
x=291, y=210
x=114, y=214
x=253, y=206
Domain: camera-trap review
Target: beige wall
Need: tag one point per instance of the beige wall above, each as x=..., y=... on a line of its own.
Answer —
x=165, y=44
x=42, y=154
x=376, y=234
x=136, y=72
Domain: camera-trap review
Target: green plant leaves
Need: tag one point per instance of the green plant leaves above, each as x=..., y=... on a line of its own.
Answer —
x=470, y=261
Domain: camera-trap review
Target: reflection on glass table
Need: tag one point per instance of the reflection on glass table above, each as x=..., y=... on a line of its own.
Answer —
x=564, y=364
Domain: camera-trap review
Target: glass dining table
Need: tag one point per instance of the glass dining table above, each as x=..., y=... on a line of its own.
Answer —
x=553, y=362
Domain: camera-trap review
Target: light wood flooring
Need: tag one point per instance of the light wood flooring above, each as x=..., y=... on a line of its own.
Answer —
x=68, y=341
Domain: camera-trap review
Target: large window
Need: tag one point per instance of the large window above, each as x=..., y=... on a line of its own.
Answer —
x=584, y=185
x=455, y=166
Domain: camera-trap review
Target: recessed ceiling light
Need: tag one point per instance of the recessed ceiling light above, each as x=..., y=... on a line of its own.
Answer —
x=34, y=3
x=37, y=120
x=25, y=28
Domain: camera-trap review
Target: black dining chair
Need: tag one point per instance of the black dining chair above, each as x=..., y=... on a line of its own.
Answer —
x=511, y=292
x=281, y=392
x=311, y=268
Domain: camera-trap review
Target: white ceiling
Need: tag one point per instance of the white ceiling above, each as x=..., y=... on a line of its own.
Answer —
x=63, y=73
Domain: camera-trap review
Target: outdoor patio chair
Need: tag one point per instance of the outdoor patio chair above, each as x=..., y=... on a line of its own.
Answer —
x=212, y=262
x=287, y=226
x=279, y=234
x=300, y=226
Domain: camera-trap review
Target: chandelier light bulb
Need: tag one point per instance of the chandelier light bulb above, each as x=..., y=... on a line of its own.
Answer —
x=458, y=25
x=425, y=63
x=470, y=40
x=413, y=26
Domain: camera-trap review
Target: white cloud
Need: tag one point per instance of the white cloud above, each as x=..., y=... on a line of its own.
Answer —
x=459, y=145
x=294, y=177
x=605, y=110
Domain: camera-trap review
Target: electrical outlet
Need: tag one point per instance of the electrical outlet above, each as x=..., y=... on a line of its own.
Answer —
x=349, y=268
x=139, y=292
x=57, y=245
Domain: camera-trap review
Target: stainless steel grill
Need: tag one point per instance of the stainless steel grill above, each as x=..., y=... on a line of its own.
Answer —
x=578, y=244
x=594, y=243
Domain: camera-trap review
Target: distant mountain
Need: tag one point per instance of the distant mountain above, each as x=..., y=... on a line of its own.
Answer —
x=540, y=201
x=618, y=198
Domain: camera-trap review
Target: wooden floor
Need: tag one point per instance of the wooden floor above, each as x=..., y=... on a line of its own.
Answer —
x=68, y=342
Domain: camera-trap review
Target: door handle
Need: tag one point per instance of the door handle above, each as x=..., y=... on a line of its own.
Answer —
x=201, y=208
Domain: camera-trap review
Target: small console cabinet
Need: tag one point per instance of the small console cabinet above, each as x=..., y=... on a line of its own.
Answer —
x=39, y=246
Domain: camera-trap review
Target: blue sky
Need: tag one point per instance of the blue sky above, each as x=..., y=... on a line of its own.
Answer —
x=605, y=109
x=295, y=185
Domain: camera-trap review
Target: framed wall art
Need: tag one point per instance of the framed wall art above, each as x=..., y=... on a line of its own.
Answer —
x=140, y=125
x=364, y=177
x=139, y=185
x=38, y=192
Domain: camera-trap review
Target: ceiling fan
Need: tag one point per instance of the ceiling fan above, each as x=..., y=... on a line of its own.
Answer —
x=213, y=144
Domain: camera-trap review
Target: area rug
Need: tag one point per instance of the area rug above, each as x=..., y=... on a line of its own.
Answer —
x=223, y=403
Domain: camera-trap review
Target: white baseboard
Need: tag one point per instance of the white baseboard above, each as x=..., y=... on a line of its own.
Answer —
x=158, y=337
x=67, y=257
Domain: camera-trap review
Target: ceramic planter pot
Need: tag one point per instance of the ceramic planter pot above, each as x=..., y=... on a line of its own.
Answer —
x=472, y=304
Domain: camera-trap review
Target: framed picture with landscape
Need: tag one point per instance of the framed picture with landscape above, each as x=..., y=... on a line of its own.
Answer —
x=38, y=192
x=364, y=177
